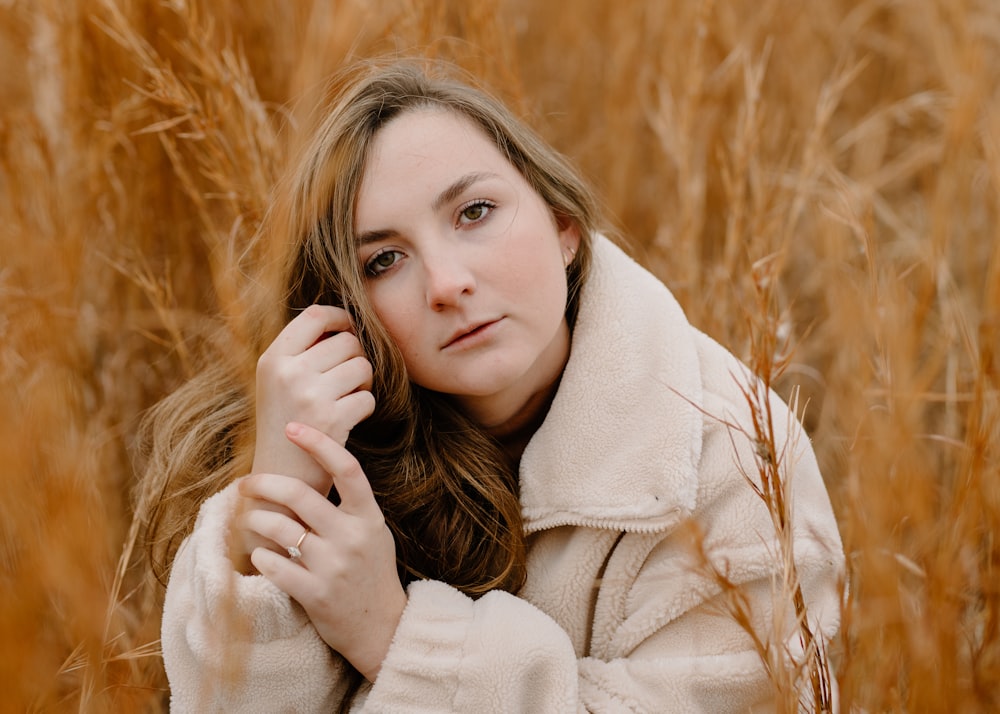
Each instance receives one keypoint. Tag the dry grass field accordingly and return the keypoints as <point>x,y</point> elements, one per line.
<point>817,181</point>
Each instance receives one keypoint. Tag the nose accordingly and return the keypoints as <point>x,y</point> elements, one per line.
<point>448,279</point>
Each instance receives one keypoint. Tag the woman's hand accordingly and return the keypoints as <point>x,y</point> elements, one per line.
<point>315,372</point>
<point>345,577</point>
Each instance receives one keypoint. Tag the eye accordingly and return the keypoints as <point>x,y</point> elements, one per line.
<point>384,259</point>
<point>475,211</point>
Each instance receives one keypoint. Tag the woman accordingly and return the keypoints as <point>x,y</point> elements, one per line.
<point>494,468</point>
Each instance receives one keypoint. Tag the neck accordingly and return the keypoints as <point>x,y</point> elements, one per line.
<point>513,416</point>
<point>515,433</point>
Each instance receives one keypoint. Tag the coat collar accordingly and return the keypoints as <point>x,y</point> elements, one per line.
<point>620,445</point>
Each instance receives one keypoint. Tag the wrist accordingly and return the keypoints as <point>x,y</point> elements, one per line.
<point>368,660</point>
<point>298,465</point>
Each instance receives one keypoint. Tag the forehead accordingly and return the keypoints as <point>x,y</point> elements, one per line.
<point>430,123</point>
<point>430,141</point>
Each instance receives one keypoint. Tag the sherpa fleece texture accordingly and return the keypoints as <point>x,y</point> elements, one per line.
<point>643,453</point>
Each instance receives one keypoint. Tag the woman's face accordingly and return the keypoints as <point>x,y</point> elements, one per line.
<point>464,264</point>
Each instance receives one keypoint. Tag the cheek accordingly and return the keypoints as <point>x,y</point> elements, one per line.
<point>403,327</point>
<point>535,272</point>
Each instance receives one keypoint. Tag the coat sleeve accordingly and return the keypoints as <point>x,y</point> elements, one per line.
<point>669,636</point>
<point>237,643</point>
<point>495,654</point>
<point>674,648</point>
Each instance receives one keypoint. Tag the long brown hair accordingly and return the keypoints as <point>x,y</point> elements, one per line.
<point>443,484</point>
<point>445,487</point>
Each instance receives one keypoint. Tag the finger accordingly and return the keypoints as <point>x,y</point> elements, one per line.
<point>348,478</point>
<point>356,406</point>
<point>356,373</point>
<point>307,505</point>
<point>248,504</point>
<point>332,351</point>
<point>350,376</point>
<point>280,531</point>
<point>309,326</point>
<point>287,575</point>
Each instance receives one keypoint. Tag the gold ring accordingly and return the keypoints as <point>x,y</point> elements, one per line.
<point>293,550</point>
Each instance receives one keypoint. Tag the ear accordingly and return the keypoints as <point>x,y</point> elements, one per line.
<point>569,234</point>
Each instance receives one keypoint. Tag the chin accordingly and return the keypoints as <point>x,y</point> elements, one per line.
<point>493,383</point>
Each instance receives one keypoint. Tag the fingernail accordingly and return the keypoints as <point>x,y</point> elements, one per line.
<point>293,429</point>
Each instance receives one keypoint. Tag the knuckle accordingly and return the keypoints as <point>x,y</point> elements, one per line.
<point>354,543</point>
<point>353,343</point>
<point>298,490</point>
<point>284,371</point>
<point>367,368</point>
<point>293,491</point>
<point>362,406</point>
<point>264,362</point>
<point>352,470</point>
<point>300,402</point>
<point>361,367</point>
<point>277,370</point>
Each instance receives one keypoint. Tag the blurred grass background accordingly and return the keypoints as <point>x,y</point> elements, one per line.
<point>825,172</point>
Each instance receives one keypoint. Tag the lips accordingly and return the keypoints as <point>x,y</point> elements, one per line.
<point>467,333</point>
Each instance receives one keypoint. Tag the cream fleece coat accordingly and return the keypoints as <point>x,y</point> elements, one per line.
<point>641,450</point>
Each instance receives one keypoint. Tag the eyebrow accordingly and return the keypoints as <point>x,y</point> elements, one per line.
<point>455,190</point>
<point>452,192</point>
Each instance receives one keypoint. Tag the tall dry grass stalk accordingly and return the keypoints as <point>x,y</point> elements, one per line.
<point>818,182</point>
